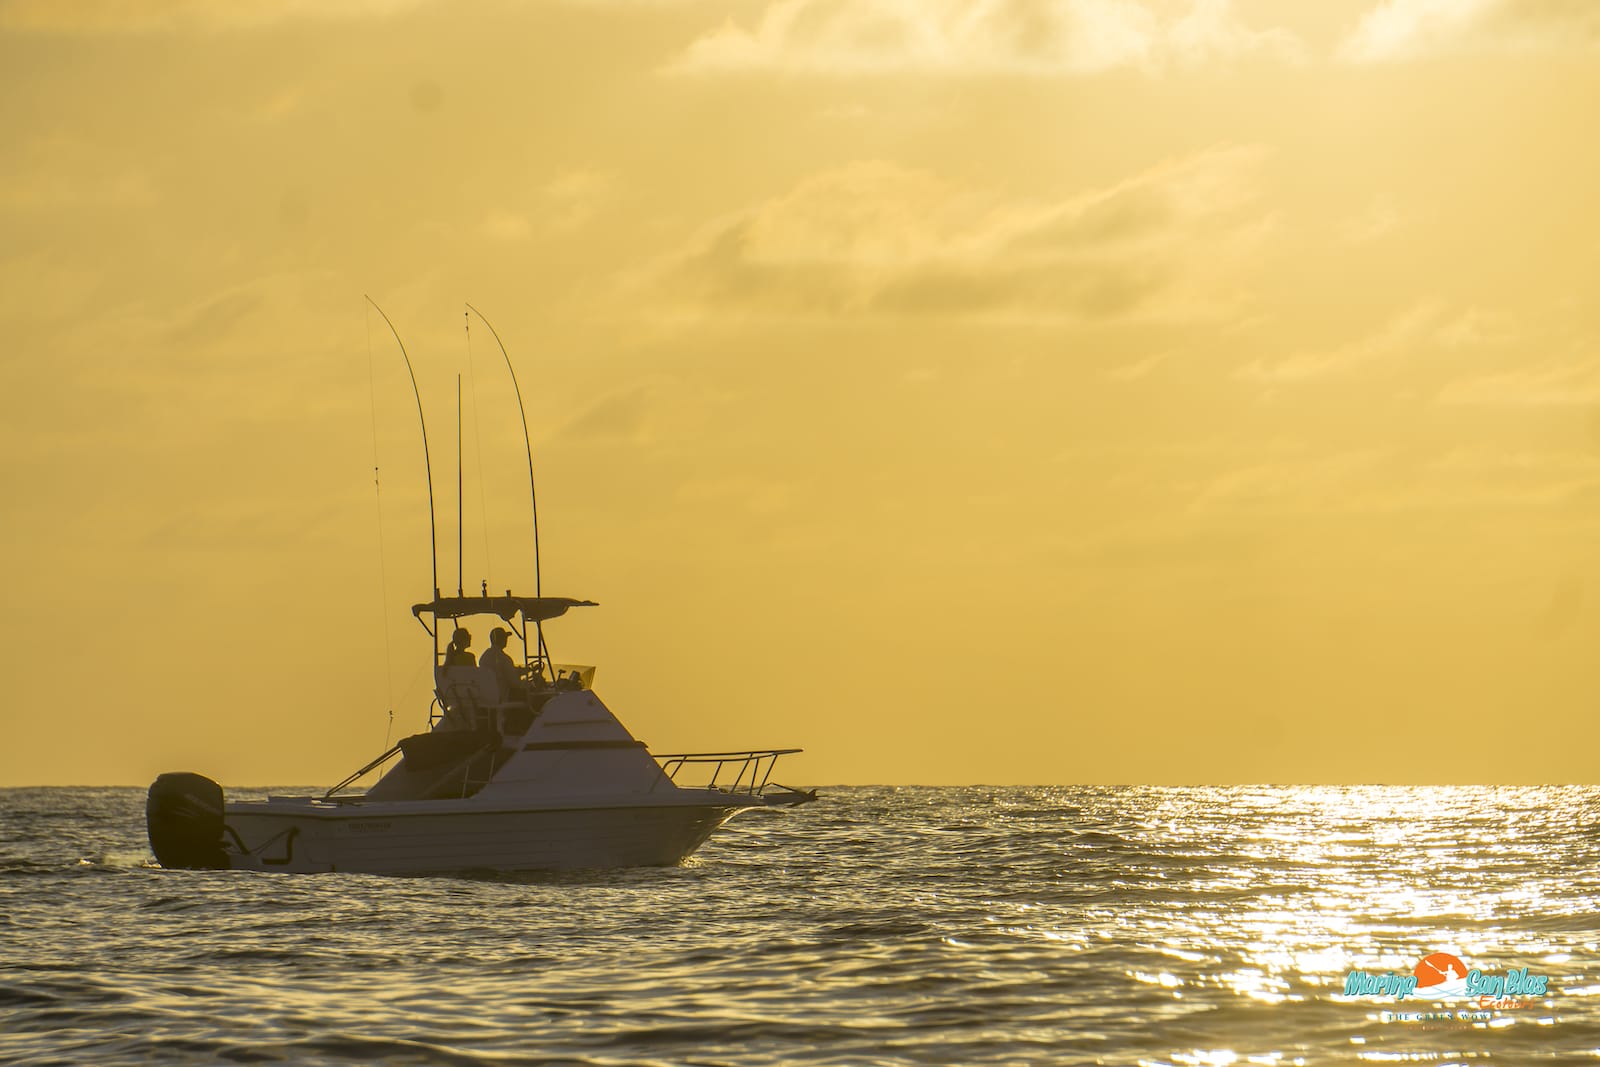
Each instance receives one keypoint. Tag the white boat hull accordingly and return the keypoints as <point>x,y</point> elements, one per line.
<point>307,837</point>
<point>570,788</point>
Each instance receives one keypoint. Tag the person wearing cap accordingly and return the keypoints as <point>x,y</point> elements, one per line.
<point>459,654</point>
<point>505,671</point>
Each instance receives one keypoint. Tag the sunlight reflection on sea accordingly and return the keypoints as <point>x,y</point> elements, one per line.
<point>946,926</point>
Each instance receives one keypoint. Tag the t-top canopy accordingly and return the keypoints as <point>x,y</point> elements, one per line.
<point>532,608</point>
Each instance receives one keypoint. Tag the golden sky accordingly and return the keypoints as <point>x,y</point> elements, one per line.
<point>990,391</point>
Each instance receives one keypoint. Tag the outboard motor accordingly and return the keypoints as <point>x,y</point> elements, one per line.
<point>183,814</point>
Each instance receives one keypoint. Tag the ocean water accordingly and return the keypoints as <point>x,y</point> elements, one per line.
<point>1196,926</point>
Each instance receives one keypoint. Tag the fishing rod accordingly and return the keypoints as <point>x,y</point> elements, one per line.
<point>433,533</point>
<point>533,492</point>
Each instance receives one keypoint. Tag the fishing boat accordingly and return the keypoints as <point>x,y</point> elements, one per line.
<point>523,767</point>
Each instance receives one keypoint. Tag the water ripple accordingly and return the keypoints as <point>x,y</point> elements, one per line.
<point>1200,926</point>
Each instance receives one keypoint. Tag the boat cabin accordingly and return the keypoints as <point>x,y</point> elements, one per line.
<point>504,697</point>
<point>538,732</point>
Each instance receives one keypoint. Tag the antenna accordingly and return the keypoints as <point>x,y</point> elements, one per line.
<point>533,493</point>
<point>383,567</point>
<point>461,520</point>
<point>433,529</point>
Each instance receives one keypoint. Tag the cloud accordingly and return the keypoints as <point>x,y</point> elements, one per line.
<point>876,238</point>
<point>1398,482</point>
<point>122,16</point>
<point>1555,384</point>
<point>655,411</point>
<point>1497,475</point>
<point>1150,550</point>
<point>62,173</point>
<point>1379,219</point>
<point>567,202</point>
<point>1424,327</point>
<point>570,200</point>
<point>1299,482</point>
<point>1140,368</point>
<point>1027,37</point>
<point>1403,29</point>
<point>505,226</point>
<point>761,496</point>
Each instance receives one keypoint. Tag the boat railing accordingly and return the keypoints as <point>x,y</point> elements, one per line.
<point>752,770</point>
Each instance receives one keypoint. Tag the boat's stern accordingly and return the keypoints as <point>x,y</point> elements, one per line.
<point>183,816</point>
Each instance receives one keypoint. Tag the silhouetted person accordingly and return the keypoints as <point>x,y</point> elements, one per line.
<point>459,654</point>
<point>496,660</point>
